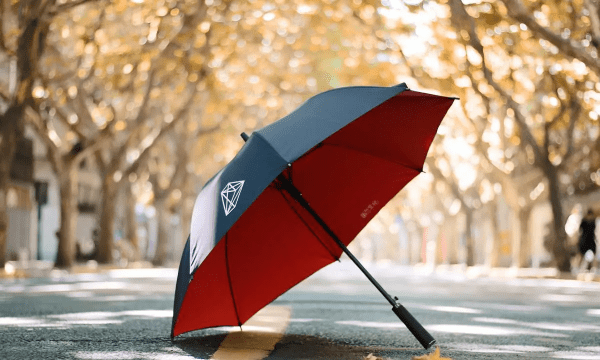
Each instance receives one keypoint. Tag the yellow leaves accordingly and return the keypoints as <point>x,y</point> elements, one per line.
<point>192,126</point>
<point>180,88</point>
<point>79,47</point>
<point>196,59</point>
<point>127,69</point>
<point>373,357</point>
<point>171,65</point>
<point>119,6</point>
<point>120,125</point>
<point>204,27</point>
<point>65,32</point>
<point>433,356</point>
<point>162,11</point>
<point>38,92</point>
<point>72,91</point>
<point>144,66</point>
<point>306,9</point>
<point>367,12</point>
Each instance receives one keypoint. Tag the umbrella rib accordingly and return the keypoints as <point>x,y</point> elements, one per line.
<point>336,258</point>
<point>375,156</point>
<point>237,316</point>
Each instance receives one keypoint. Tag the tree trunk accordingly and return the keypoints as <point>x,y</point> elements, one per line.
<point>4,182</point>
<point>10,132</point>
<point>131,223</point>
<point>558,245</point>
<point>107,221</point>
<point>65,257</point>
<point>162,242</point>
<point>469,237</point>
<point>3,222</point>
<point>522,248</point>
<point>494,260</point>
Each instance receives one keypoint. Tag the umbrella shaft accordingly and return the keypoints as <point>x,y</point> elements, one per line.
<point>411,323</point>
<point>295,193</point>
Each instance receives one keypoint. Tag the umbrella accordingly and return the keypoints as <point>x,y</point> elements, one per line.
<point>299,191</point>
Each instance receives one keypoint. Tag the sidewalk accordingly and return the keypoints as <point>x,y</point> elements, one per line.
<point>40,268</point>
<point>479,271</point>
<point>346,269</point>
<point>34,269</point>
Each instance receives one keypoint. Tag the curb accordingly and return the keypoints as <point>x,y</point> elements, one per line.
<point>38,269</point>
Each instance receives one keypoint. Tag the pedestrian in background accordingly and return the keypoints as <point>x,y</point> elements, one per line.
<point>587,240</point>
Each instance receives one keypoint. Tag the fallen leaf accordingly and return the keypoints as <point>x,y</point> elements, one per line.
<point>373,357</point>
<point>433,356</point>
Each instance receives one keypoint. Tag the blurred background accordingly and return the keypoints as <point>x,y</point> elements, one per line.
<point>113,115</point>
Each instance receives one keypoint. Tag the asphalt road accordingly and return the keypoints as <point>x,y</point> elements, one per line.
<point>335,314</point>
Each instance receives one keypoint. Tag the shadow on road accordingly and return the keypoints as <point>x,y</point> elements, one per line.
<point>289,347</point>
<point>198,346</point>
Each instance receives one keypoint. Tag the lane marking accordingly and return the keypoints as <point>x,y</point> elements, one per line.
<point>258,337</point>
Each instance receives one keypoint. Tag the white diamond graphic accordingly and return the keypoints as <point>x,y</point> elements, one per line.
<point>230,195</point>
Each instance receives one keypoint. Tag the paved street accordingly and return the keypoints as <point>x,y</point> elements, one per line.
<point>335,314</point>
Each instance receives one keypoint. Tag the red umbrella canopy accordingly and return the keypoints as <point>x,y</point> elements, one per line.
<point>346,173</point>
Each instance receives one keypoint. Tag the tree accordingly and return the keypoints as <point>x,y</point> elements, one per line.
<point>23,42</point>
<point>110,94</point>
<point>549,149</point>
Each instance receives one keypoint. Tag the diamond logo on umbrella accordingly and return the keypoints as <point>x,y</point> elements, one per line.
<point>230,195</point>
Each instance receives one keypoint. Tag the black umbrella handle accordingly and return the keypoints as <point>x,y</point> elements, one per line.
<point>414,326</point>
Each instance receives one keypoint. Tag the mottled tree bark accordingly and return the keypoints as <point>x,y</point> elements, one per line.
<point>522,249</point>
<point>494,257</point>
<point>558,247</point>
<point>131,222</point>
<point>162,243</point>
<point>3,218</point>
<point>8,141</point>
<point>65,256</point>
<point>107,221</point>
<point>470,251</point>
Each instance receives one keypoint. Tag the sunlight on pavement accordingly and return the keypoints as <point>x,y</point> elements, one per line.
<point>108,314</point>
<point>593,312</point>
<point>127,355</point>
<point>508,307</point>
<point>541,325</point>
<point>506,349</point>
<point>118,298</point>
<point>14,321</point>
<point>563,298</point>
<point>495,320</point>
<point>488,330</point>
<point>92,296</point>
<point>80,294</point>
<point>372,324</point>
<point>562,327</point>
<point>453,309</point>
<point>334,288</point>
<point>259,336</point>
<point>158,273</point>
<point>60,288</point>
<point>580,353</point>
<point>65,321</point>
<point>304,320</point>
<point>148,313</point>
